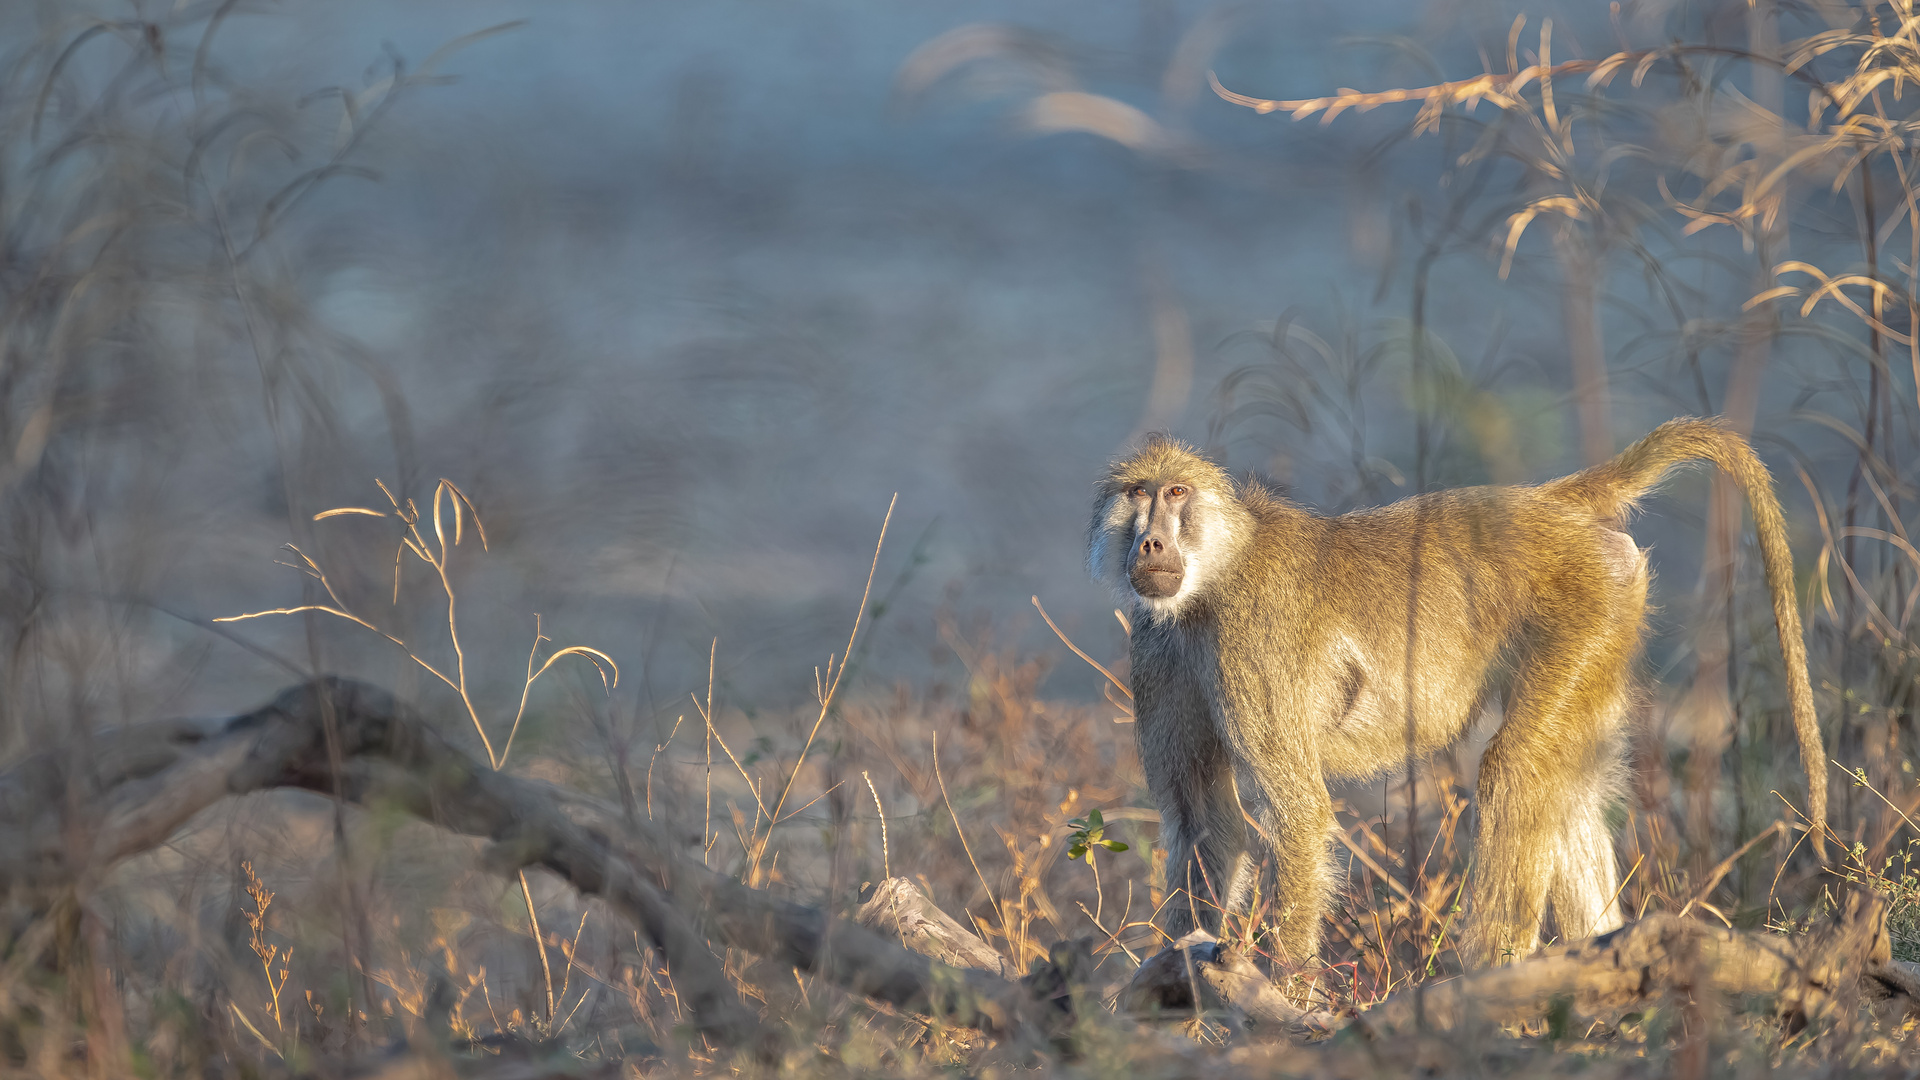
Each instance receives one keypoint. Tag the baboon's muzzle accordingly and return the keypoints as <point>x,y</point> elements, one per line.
<point>1155,567</point>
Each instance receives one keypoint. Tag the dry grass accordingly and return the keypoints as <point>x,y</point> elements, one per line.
<point>973,788</point>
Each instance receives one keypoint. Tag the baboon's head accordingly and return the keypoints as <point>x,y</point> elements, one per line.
<point>1163,520</point>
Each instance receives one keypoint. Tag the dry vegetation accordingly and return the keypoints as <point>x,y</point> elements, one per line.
<point>333,931</point>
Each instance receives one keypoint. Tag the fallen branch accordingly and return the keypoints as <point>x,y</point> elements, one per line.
<point>63,819</point>
<point>897,909</point>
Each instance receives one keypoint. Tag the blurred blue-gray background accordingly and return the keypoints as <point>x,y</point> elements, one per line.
<point>682,295</point>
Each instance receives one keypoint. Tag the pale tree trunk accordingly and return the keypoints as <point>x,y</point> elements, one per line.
<point>1586,349</point>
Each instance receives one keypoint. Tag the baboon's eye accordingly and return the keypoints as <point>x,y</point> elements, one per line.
<point>1178,491</point>
<point>1137,491</point>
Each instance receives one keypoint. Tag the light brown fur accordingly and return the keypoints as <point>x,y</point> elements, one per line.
<point>1274,649</point>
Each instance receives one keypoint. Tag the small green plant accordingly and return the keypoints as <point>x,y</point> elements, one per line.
<point>1087,833</point>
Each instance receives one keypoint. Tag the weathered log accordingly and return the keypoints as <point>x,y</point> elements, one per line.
<point>1891,980</point>
<point>1884,979</point>
<point>59,825</point>
<point>1644,961</point>
<point>1200,974</point>
<point>1632,967</point>
<point>898,909</point>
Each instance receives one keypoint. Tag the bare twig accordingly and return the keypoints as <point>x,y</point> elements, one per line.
<point>1118,685</point>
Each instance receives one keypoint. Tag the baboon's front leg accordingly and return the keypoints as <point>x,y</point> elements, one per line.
<point>1201,828</point>
<point>1281,784</point>
<point>1295,827</point>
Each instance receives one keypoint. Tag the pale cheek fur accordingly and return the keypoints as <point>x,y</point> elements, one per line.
<point>1106,556</point>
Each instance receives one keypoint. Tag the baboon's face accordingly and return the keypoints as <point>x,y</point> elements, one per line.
<point>1166,522</point>
<point>1157,564</point>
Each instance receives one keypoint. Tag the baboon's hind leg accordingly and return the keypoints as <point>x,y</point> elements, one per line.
<point>1586,875</point>
<point>1544,784</point>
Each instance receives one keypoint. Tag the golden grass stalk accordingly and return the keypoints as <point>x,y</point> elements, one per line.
<point>826,689</point>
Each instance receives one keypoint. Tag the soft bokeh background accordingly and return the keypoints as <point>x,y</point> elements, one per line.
<point>682,295</point>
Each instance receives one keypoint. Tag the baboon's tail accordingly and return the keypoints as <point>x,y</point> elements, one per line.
<point>1612,489</point>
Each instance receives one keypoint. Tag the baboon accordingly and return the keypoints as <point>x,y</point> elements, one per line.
<point>1274,649</point>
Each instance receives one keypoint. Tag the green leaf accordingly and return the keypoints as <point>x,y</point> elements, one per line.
<point>1094,819</point>
<point>1115,845</point>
